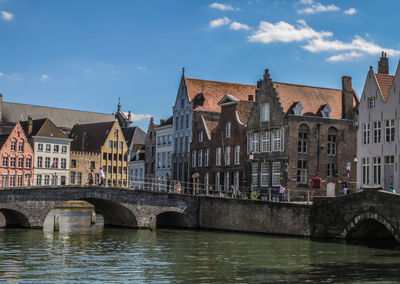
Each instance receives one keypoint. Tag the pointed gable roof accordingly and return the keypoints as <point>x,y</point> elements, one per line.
<point>95,135</point>
<point>43,128</point>
<point>214,91</point>
<point>385,83</point>
<point>134,135</point>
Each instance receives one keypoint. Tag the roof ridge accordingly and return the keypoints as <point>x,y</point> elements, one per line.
<point>223,82</point>
<point>307,86</point>
<point>383,74</point>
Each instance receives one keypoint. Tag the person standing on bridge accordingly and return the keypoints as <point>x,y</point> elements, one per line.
<point>178,187</point>
<point>101,176</point>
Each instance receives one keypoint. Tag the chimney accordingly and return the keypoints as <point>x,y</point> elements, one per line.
<point>383,64</point>
<point>251,98</point>
<point>30,125</point>
<point>347,98</point>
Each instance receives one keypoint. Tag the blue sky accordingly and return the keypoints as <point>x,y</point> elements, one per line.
<point>86,54</point>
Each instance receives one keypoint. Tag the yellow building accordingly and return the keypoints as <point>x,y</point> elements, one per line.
<point>106,139</point>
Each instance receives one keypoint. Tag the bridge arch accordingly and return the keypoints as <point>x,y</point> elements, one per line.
<point>14,217</point>
<point>369,225</point>
<point>175,217</point>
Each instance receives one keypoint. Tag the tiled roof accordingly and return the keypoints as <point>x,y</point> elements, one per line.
<point>169,121</point>
<point>211,125</point>
<point>244,109</point>
<point>214,91</point>
<point>134,135</point>
<point>95,135</point>
<point>44,128</point>
<point>3,139</point>
<point>385,82</point>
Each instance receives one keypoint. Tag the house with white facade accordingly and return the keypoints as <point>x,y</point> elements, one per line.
<point>378,139</point>
<point>137,170</point>
<point>163,166</point>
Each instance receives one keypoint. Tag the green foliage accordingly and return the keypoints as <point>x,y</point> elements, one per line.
<point>254,195</point>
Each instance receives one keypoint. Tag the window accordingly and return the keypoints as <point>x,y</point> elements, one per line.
<point>115,157</point>
<point>47,162</point>
<point>194,153</point>
<point>276,173</point>
<point>48,147</point>
<point>206,158</point>
<point>371,102</point>
<point>331,170</point>
<point>200,158</point>
<point>119,157</point>
<point>365,171</point>
<point>121,145</point>
<point>376,132</point>
<point>110,156</point>
<point>206,182</point>
<point>264,112</point>
<point>187,121</point>
<point>201,136</point>
<point>389,130</point>
<point>39,162</point>
<point>73,163</point>
<point>227,156</point>
<point>265,174</point>
<point>79,178</point>
<point>302,142</point>
<point>55,163</point>
<point>302,172</point>
<point>120,170</point>
<point>110,144</point>
<point>114,169</point>
<point>40,147</point>
<point>46,180</point>
<point>266,141</point>
<point>182,101</point>
<point>237,155</point>
<point>236,180</point>
<point>63,163</point>
<point>20,162</point>
<point>109,169</point>
<point>56,148</point>
<point>12,162</point>
<point>389,159</point>
<point>39,180</point>
<point>64,149</point>
<point>176,123</point>
<point>226,181</point>
<point>5,161</point>
<point>228,130</point>
<point>116,144</point>
<point>377,170</point>
<point>218,156</point>
<point>21,147</point>
<point>186,144</point>
<point>4,180</point>
<point>55,180</point>
<point>366,133</point>
<point>28,163</point>
<point>276,140</point>
<point>169,159</point>
<point>217,182</point>
<point>19,180</point>
<point>13,146</point>
<point>254,146</point>
<point>12,180</point>
<point>254,174</point>
<point>104,156</point>
<point>182,122</point>
<point>332,134</point>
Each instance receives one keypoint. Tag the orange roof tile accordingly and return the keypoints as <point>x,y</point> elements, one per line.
<point>385,82</point>
<point>214,91</point>
<point>244,109</point>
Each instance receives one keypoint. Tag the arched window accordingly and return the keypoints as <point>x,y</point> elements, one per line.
<point>303,138</point>
<point>332,144</point>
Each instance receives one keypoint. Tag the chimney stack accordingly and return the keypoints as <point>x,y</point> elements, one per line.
<point>30,125</point>
<point>383,64</point>
<point>347,98</point>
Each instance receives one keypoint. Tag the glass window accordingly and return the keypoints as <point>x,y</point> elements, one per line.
<point>56,148</point>
<point>5,161</point>
<point>73,163</point>
<point>206,158</point>
<point>254,174</point>
<point>377,170</point>
<point>266,141</point>
<point>12,180</point>
<point>47,162</point>
<point>63,163</point>
<point>12,162</point>
<point>21,147</point>
<point>48,147</point>
<point>40,147</point>
<point>389,130</point>
<point>201,136</point>
<point>237,155</point>
<point>365,171</point>
<point>200,158</point>
<point>254,142</point>
<point>371,102</point>
<point>366,133</point>
<point>276,173</point>
<point>265,174</point>
<point>39,162</point>
<point>28,163</point>
<point>13,146</point>
<point>303,138</point>
<point>264,112</point>
<point>377,132</point>
<point>331,170</point>
<point>20,162</point>
<point>332,134</point>
<point>276,140</point>
<point>55,163</point>
<point>227,156</point>
<point>302,172</point>
<point>39,180</point>
<point>110,144</point>
<point>64,149</point>
<point>228,130</point>
<point>217,182</point>
<point>218,156</point>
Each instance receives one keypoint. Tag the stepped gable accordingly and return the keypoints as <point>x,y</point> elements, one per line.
<point>214,91</point>
<point>312,98</point>
<point>95,136</point>
<point>385,83</point>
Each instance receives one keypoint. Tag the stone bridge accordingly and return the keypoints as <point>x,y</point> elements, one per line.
<point>370,214</point>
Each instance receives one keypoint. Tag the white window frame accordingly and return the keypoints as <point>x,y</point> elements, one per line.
<point>366,133</point>
<point>371,102</point>
<point>237,155</point>
<point>254,174</point>
<point>206,157</point>
<point>226,181</point>
<point>236,180</point>
<point>377,173</point>
<point>218,156</point>
<point>277,140</point>
<point>365,171</point>
<point>228,129</point>
<point>194,155</point>
<point>206,181</point>
<point>389,130</point>
<point>200,158</point>
<point>254,142</point>
<point>265,174</point>
<point>276,173</point>
<point>217,181</point>
<point>302,171</point>
<point>227,156</point>
<point>377,132</point>
<point>264,112</point>
<point>201,136</point>
<point>266,141</point>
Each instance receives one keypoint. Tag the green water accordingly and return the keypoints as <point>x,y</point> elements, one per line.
<point>185,256</point>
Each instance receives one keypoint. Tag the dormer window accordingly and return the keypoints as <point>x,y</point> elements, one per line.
<point>371,102</point>
<point>264,112</point>
<point>298,109</point>
<point>201,136</point>
<point>326,111</point>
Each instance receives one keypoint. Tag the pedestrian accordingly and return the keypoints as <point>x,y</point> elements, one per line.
<point>178,187</point>
<point>210,190</point>
<point>392,190</point>
<point>345,190</point>
<point>282,193</point>
<point>101,176</point>
<point>91,177</point>
<point>233,191</point>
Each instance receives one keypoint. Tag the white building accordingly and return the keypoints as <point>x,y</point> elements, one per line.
<point>51,152</point>
<point>378,141</point>
<point>136,170</point>
<point>163,166</point>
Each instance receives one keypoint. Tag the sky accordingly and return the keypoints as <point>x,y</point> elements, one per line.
<point>86,54</point>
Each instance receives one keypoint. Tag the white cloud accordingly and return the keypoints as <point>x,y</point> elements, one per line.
<point>350,11</point>
<point>223,7</point>
<point>1,74</point>
<point>44,77</point>
<point>88,71</point>
<point>219,22</point>
<point>239,26</point>
<point>137,117</point>
<point>285,32</point>
<point>344,56</point>
<point>6,16</point>
<point>316,8</point>
<point>143,67</point>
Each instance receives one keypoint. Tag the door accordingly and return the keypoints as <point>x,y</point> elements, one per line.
<point>330,189</point>
<point>388,176</point>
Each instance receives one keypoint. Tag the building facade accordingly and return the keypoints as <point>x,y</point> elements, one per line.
<point>81,167</point>
<point>16,168</point>
<point>150,151</point>
<point>163,162</point>
<point>296,133</point>
<point>137,170</point>
<point>378,140</point>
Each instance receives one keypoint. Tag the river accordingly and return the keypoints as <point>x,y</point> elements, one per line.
<point>114,255</point>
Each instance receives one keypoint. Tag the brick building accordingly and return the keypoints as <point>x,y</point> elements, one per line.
<point>150,150</point>
<point>218,148</point>
<point>295,132</point>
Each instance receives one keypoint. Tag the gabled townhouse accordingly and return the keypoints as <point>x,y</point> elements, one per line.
<point>379,129</point>
<point>297,133</point>
<point>16,168</point>
<point>98,145</point>
<point>51,151</point>
<point>219,147</point>
<point>137,170</point>
<point>163,169</point>
<point>150,151</point>
<point>197,95</point>
<point>135,138</point>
